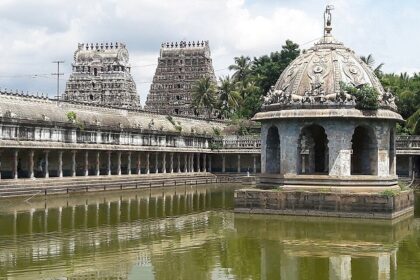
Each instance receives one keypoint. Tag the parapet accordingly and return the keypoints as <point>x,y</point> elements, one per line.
<point>100,46</point>
<point>184,44</point>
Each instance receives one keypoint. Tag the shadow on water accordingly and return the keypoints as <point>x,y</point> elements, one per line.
<point>191,233</point>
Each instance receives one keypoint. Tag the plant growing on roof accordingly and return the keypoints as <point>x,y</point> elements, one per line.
<point>366,96</point>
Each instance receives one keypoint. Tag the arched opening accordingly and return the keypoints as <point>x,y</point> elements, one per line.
<point>313,150</point>
<point>364,159</point>
<point>95,72</point>
<point>272,152</point>
<point>391,152</point>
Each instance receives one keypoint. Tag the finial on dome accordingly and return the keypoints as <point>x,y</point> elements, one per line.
<point>327,20</point>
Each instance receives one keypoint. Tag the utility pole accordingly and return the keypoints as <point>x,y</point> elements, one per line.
<point>58,74</point>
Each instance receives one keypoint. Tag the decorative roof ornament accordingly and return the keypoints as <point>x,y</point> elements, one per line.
<point>327,20</point>
<point>315,78</point>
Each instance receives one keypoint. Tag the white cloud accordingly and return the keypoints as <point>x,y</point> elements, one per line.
<point>34,33</point>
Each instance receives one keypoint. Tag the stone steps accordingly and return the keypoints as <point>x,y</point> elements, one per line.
<point>112,183</point>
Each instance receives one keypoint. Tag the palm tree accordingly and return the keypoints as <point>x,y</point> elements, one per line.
<point>229,96</point>
<point>204,95</point>
<point>370,61</point>
<point>242,68</point>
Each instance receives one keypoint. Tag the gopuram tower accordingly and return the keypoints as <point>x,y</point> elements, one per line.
<point>180,66</point>
<point>101,75</point>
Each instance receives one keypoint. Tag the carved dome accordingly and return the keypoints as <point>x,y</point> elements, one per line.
<point>315,78</point>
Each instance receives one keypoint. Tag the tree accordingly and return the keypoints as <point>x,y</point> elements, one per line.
<point>242,68</point>
<point>370,61</point>
<point>229,96</point>
<point>204,95</point>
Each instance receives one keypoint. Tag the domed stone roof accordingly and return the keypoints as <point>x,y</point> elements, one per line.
<point>315,78</point>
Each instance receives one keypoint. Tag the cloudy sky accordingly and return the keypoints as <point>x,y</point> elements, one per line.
<point>33,33</point>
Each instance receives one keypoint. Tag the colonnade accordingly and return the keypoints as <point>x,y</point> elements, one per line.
<point>32,163</point>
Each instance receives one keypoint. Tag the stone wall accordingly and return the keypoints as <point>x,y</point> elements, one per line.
<point>360,205</point>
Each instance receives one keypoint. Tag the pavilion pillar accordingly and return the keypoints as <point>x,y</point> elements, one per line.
<point>109,163</point>
<point>60,164</point>
<point>138,165</point>
<point>156,162</point>
<point>289,267</point>
<point>98,164</point>
<point>223,163</point>
<point>171,163</point>
<point>119,163</point>
<point>340,268</point>
<point>73,163</point>
<point>204,163</point>
<point>129,163</point>
<point>198,163</point>
<point>254,167</point>
<point>46,171</point>
<point>15,164</point>
<point>164,163</point>
<point>239,163</point>
<point>178,170</point>
<point>147,163</point>
<point>210,163</point>
<point>410,166</point>
<point>0,162</point>
<point>192,163</point>
<point>185,163</point>
<point>86,163</point>
<point>31,164</point>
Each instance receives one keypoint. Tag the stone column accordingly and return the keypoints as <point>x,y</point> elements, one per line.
<point>164,163</point>
<point>198,162</point>
<point>186,163</point>
<point>31,164</point>
<point>73,163</point>
<point>109,163</point>
<point>410,166</point>
<point>156,162</point>
<point>254,168</point>
<point>171,163</point>
<point>119,163</point>
<point>98,164</point>
<point>339,152</point>
<point>239,163</point>
<point>204,163</point>
<point>60,164</point>
<point>192,163</point>
<point>223,163</point>
<point>129,163</point>
<point>210,163</point>
<point>0,162</point>
<point>178,170</point>
<point>86,163</point>
<point>46,171</point>
<point>147,163</point>
<point>340,268</point>
<point>138,163</point>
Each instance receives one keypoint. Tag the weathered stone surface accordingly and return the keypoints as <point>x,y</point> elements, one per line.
<point>101,75</point>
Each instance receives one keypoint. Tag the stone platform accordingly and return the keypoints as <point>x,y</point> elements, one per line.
<point>386,205</point>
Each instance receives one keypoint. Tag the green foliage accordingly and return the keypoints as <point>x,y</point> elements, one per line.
<point>402,130</point>
<point>71,116</point>
<point>216,131</point>
<point>390,193</point>
<point>215,145</point>
<point>413,123</point>
<point>204,95</point>
<point>366,96</point>
<point>253,78</point>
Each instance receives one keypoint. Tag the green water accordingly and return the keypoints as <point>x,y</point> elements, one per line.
<point>192,233</point>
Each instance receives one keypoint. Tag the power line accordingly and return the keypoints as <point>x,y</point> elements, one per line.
<point>58,74</point>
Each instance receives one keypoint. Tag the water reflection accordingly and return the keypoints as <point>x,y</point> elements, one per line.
<point>191,233</point>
